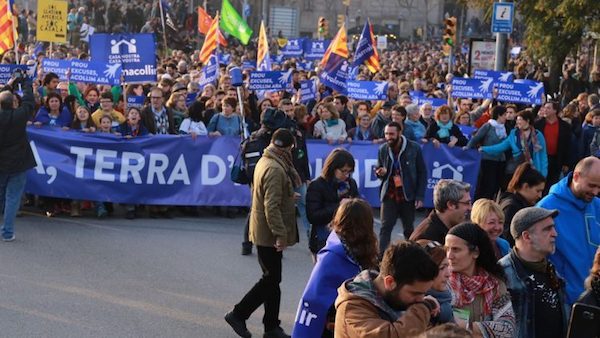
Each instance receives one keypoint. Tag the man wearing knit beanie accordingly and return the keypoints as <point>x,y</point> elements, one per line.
<point>537,292</point>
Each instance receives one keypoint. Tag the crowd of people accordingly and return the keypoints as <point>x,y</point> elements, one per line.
<point>507,262</point>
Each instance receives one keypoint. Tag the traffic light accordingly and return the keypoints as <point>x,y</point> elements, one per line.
<point>450,31</point>
<point>341,19</point>
<point>323,26</point>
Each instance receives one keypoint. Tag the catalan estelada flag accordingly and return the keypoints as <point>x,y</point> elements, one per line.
<point>210,42</point>
<point>366,50</point>
<point>263,58</point>
<point>7,40</point>
<point>334,65</point>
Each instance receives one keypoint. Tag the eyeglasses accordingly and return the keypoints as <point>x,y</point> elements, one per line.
<point>467,202</point>
<point>156,97</point>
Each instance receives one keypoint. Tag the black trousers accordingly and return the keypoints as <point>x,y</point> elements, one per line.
<point>554,170</point>
<point>266,291</point>
<point>491,174</point>
<point>389,212</point>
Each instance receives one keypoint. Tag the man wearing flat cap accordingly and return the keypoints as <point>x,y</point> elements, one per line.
<point>537,292</point>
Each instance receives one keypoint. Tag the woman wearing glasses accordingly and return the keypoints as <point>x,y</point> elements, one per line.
<point>325,193</point>
<point>480,298</point>
<point>440,290</point>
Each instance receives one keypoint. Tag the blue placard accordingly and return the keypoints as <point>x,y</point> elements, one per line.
<point>304,65</point>
<point>137,53</point>
<point>294,48</point>
<point>270,80</point>
<point>6,72</point>
<point>308,90</point>
<point>416,93</point>
<point>472,88</point>
<point>496,75</point>
<point>190,98</point>
<point>315,49</point>
<point>248,65</point>
<point>135,101</point>
<point>209,73</point>
<point>95,72</point>
<point>224,59</point>
<point>56,66</point>
<point>502,17</point>
<point>529,93</point>
<point>367,90</point>
<point>434,102</point>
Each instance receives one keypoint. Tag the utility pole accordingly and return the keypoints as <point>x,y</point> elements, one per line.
<point>500,60</point>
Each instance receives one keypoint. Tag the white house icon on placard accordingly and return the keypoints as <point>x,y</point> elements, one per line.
<point>116,46</point>
<point>439,170</point>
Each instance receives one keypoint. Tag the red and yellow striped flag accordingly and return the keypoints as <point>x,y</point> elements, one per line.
<point>210,42</point>
<point>7,40</point>
<point>373,61</point>
<point>339,46</point>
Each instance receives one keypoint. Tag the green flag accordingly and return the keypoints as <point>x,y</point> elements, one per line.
<point>232,23</point>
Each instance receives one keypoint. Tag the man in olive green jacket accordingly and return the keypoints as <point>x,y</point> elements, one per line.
<point>272,228</point>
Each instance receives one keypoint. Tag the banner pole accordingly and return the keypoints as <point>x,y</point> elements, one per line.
<point>244,132</point>
<point>162,19</point>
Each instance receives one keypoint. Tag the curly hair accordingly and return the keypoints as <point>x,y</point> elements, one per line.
<point>441,110</point>
<point>353,223</point>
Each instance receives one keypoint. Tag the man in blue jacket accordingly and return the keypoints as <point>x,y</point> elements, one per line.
<point>577,224</point>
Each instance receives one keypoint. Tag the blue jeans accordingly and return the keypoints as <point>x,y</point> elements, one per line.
<point>301,204</point>
<point>11,190</point>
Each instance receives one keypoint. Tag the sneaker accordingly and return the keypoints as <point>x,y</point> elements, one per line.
<point>246,249</point>
<point>276,333</point>
<point>238,325</point>
<point>8,239</point>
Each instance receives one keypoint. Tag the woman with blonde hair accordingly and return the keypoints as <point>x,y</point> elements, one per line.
<point>330,127</point>
<point>490,217</point>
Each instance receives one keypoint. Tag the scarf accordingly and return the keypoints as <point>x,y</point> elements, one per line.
<point>499,128</point>
<point>466,288</point>
<point>444,130</point>
<point>417,127</point>
<point>285,157</point>
<point>525,144</point>
<point>332,122</point>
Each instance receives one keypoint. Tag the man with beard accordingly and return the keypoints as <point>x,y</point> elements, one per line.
<point>537,292</point>
<point>578,223</point>
<point>391,303</point>
<point>401,169</point>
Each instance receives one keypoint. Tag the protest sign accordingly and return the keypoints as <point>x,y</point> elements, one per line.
<point>7,71</point>
<point>135,51</point>
<point>52,21</point>
<point>367,90</point>
<point>135,101</point>
<point>315,49</point>
<point>270,80</point>
<point>294,48</point>
<point>56,66</point>
<point>529,93</point>
<point>308,90</point>
<point>496,75</point>
<point>472,88</point>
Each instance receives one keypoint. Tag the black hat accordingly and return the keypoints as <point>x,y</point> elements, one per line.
<point>472,233</point>
<point>282,138</point>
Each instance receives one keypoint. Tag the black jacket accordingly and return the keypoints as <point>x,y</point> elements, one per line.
<point>589,298</point>
<point>431,228</point>
<point>322,200</point>
<point>510,204</point>
<point>564,139</point>
<point>454,131</point>
<point>15,153</point>
<point>150,123</point>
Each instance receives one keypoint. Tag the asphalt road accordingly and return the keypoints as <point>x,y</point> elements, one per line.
<point>67,277</point>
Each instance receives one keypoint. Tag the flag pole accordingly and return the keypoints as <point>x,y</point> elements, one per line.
<point>162,19</point>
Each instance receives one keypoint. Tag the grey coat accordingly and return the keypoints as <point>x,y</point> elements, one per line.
<point>486,136</point>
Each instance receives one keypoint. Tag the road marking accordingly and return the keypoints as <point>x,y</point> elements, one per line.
<point>43,315</point>
<point>73,221</point>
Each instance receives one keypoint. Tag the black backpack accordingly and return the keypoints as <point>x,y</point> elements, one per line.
<point>251,150</point>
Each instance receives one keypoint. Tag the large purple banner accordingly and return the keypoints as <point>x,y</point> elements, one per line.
<point>178,170</point>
